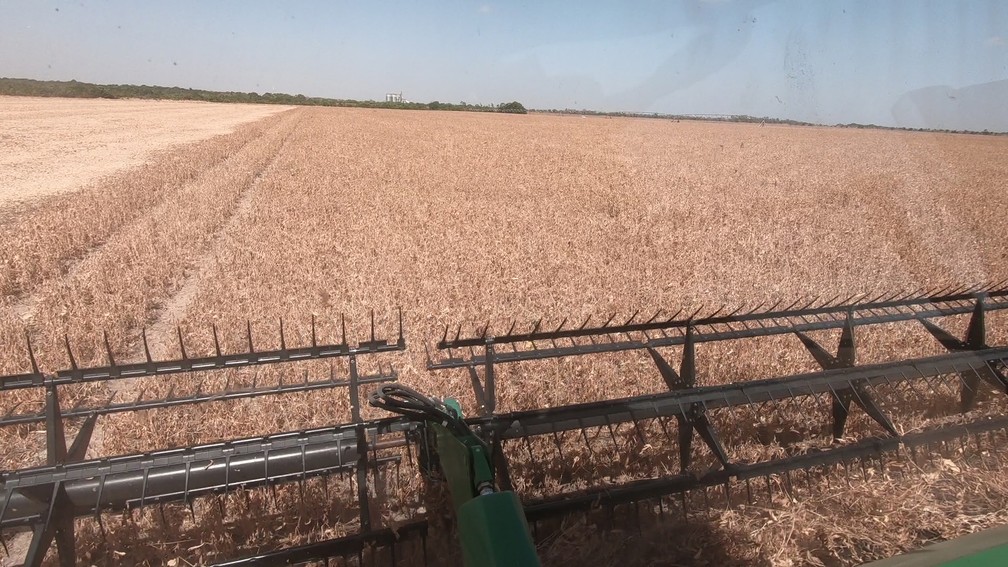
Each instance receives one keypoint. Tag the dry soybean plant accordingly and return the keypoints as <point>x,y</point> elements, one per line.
<point>487,220</point>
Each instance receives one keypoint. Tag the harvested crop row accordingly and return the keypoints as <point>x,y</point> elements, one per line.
<point>120,286</point>
<point>46,236</point>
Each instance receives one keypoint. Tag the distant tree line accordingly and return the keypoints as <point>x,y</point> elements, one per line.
<point>510,107</point>
<point>703,117</point>
<point>77,89</point>
<point>755,119</point>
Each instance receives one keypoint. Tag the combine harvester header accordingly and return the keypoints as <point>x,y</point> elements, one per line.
<point>484,457</point>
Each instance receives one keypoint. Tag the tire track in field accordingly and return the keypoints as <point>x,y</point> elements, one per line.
<point>49,235</point>
<point>25,307</point>
<point>69,301</point>
<point>161,333</point>
<point>119,284</point>
<point>160,330</point>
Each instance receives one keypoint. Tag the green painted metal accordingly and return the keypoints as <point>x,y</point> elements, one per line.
<point>995,557</point>
<point>464,463</point>
<point>987,548</point>
<point>494,533</point>
<point>492,528</point>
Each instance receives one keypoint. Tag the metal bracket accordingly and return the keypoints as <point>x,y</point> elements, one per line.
<point>695,418</point>
<point>686,377</point>
<point>58,520</point>
<point>362,447</point>
<point>846,357</point>
<point>485,389</point>
<point>976,339</point>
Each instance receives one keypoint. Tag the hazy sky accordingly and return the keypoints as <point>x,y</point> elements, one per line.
<point>825,62</point>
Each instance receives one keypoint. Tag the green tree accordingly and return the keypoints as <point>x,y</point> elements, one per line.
<point>513,107</point>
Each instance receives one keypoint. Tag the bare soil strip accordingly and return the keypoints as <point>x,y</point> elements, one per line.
<point>162,338</point>
<point>25,307</point>
<point>143,265</point>
<point>161,332</point>
<point>49,234</point>
<point>48,146</point>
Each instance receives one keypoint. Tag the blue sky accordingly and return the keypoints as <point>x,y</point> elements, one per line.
<point>825,62</point>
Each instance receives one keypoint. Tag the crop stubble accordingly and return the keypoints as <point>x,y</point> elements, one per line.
<point>474,218</point>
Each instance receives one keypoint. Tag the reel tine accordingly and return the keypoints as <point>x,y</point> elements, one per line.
<point>314,340</point>
<point>108,349</point>
<point>716,313</point>
<point>31,354</point>
<point>846,300</point>
<point>248,335</point>
<point>885,297</point>
<point>283,341</point>
<point>694,314</point>
<point>632,317</point>
<point>792,306</point>
<point>181,345</point>
<point>560,327</point>
<point>941,292</point>
<point>372,327</point>
<point>734,313</point>
<point>70,352</point>
<point>653,317</point>
<point>146,347</point>
<point>895,297</point>
<point>959,290</point>
<point>609,320</point>
<point>755,309</point>
<point>875,299</point>
<point>342,319</point>
<point>402,338</point>
<point>907,296</point>
<point>511,328</point>
<point>971,288</point>
<point>216,339</point>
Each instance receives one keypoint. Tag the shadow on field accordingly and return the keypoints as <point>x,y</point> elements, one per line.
<point>700,542</point>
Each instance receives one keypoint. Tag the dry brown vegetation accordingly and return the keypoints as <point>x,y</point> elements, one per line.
<point>473,218</point>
